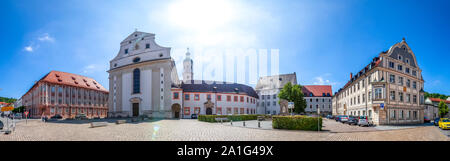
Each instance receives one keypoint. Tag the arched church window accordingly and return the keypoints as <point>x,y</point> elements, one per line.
<point>136,80</point>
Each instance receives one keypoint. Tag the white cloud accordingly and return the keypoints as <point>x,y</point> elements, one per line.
<point>46,37</point>
<point>322,80</point>
<point>28,48</point>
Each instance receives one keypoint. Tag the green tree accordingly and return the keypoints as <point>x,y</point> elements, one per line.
<point>293,93</point>
<point>443,109</point>
<point>20,109</point>
<point>435,95</point>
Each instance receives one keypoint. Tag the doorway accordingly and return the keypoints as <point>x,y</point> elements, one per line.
<point>208,111</point>
<point>135,109</point>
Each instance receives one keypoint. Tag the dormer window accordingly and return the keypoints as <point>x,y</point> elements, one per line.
<point>129,42</point>
<point>160,55</point>
<point>399,57</point>
<point>126,51</point>
<point>135,35</point>
<point>407,61</point>
<point>147,46</point>
<point>135,60</point>
<point>115,65</point>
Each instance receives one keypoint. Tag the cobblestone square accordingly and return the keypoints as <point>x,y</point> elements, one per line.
<point>193,130</point>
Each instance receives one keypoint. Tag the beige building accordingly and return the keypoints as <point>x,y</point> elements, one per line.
<point>389,90</point>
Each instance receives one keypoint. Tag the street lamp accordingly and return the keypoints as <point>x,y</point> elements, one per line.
<point>215,99</point>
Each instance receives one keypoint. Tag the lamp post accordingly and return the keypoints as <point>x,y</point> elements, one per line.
<point>215,99</point>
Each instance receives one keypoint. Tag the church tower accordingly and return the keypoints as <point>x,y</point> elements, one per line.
<point>188,67</point>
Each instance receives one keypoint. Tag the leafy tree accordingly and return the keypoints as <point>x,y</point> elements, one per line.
<point>435,95</point>
<point>7,100</point>
<point>293,93</point>
<point>443,109</point>
<point>20,109</point>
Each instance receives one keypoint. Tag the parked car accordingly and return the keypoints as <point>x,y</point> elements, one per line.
<point>81,116</point>
<point>426,120</point>
<point>436,121</point>
<point>343,118</point>
<point>329,117</point>
<point>194,116</point>
<point>444,123</point>
<point>1,125</point>
<point>352,120</point>
<point>57,116</point>
<point>337,118</point>
<point>363,121</point>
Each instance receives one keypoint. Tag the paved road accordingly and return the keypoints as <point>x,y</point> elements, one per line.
<point>190,130</point>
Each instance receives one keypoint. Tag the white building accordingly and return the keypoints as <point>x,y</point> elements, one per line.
<point>268,88</point>
<point>141,77</point>
<point>318,97</point>
<point>211,97</point>
<point>432,107</point>
<point>144,81</point>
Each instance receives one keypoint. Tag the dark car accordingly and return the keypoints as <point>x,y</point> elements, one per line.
<point>330,117</point>
<point>436,121</point>
<point>426,120</point>
<point>194,116</point>
<point>1,125</point>
<point>57,116</point>
<point>352,120</point>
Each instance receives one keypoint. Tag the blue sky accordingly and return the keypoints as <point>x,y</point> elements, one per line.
<point>322,41</point>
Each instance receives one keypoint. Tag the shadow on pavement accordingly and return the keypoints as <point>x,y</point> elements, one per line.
<point>128,121</point>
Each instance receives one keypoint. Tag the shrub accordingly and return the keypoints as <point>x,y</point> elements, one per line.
<point>212,118</point>
<point>297,123</point>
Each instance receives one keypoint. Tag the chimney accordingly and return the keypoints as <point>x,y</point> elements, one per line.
<point>351,75</point>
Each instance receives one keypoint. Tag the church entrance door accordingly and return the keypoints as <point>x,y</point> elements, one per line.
<point>135,109</point>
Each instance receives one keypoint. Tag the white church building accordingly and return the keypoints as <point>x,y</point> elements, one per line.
<point>143,81</point>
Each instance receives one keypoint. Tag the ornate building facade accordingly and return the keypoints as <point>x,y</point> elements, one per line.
<point>390,90</point>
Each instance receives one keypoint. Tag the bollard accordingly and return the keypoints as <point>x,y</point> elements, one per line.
<point>232,122</point>
<point>243,123</point>
<point>221,121</point>
<point>259,124</point>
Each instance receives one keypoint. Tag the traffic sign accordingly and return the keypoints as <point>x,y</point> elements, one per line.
<point>382,105</point>
<point>290,105</point>
<point>7,108</point>
<point>26,113</point>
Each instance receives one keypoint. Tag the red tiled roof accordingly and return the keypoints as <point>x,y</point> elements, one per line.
<point>70,79</point>
<point>439,100</point>
<point>75,80</point>
<point>317,90</point>
<point>3,103</point>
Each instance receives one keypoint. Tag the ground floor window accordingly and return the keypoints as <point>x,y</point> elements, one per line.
<point>187,110</point>
<point>242,111</point>
<point>219,111</point>
<point>392,114</point>
<point>401,115</point>
<point>197,110</point>
<point>415,115</point>
<point>52,110</point>
<point>236,111</point>
<point>229,110</point>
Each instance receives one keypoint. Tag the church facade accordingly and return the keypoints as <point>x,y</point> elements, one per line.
<point>140,78</point>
